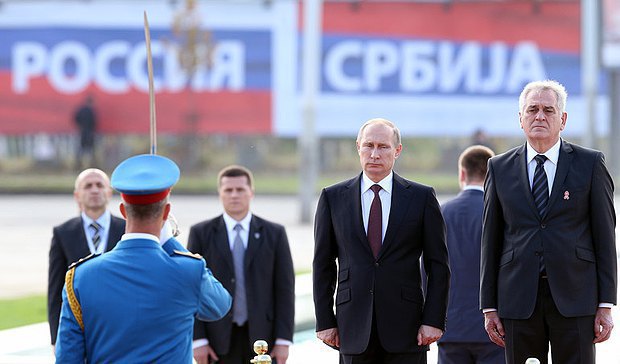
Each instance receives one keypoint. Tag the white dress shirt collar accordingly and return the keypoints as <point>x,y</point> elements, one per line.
<point>385,183</point>
<point>146,236</point>
<point>552,154</point>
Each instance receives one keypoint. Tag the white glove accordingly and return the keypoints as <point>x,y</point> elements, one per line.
<point>166,233</point>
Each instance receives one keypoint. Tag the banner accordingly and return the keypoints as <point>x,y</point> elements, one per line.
<point>433,68</point>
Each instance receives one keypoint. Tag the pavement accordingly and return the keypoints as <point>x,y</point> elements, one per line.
<point>26,223</point>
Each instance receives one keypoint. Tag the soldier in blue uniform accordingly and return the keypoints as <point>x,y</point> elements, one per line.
<point>137,303</point>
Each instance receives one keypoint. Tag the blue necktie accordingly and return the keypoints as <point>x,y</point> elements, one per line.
<point>240,306</point>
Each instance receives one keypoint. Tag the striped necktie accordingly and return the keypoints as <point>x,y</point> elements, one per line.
<point>96,235</point>
<point>540,186</point>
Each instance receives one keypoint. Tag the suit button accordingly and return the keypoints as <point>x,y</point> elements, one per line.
<point>376,264</point>
<point>537,254</point>
<point>542,226</point>
<point>371,292</point>
<point>232,280</point>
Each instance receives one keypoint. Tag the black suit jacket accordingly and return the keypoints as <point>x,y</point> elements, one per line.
<point>269,277</point>
<point>69,244</point>
<point>389,286</point>
<point>575,236</point>
<point>463,216</point>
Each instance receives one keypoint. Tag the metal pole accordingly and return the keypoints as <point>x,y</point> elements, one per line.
<point>589,66</point>
<point>308,141</point>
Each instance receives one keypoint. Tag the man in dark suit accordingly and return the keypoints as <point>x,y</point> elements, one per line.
<point>548,263</point>
<point>370,232</point>
<point>93,232</point>
<point>252,258</point>
<point>465,341</point>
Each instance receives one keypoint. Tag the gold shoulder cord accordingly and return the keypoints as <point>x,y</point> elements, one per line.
<point>73,302</point>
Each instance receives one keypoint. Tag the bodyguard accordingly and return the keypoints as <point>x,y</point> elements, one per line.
<point>137,303</point>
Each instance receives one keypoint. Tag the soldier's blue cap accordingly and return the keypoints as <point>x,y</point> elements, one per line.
<point>144,179</point>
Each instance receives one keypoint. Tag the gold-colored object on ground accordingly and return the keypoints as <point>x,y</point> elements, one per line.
<point>261,348</point>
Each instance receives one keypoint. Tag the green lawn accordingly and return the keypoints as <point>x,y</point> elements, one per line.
<point>22,311</point>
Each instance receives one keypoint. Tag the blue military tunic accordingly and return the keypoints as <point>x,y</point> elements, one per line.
<point>138,304</point>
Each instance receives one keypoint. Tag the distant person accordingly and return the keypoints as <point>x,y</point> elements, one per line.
<point>85,120</point>
<point>137,303</point>
<point>252,258</point>
<point>370,233</point>
<point>548,263</point>
<point>94,231</point>
<point>480,137</point>
<point>465,340</point>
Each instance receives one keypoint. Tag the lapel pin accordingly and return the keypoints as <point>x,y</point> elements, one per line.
<point>256,235</point>
<point>566,195</point>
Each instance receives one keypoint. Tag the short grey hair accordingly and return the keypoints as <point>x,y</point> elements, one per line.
<point>555,86</point>
<point>384,122</point>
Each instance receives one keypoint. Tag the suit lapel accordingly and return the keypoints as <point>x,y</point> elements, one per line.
<point>353,195</point>
<point>401,198</point>
<point>221,243</point>
<point>255,238</point>
<point>564,161</point>
<point>81,249</point>
<point>521,167</point>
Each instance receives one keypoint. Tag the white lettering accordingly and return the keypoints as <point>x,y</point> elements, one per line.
<point>107,53</point>
<point>430,66</point>
<point>335,61</point>
<point>418,72</point>
<point>28,61</point>
<point>70,54</point>
<point>526,66</point>
<point>381,60</point>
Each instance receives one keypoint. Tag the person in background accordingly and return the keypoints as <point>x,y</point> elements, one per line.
<point>94,231</point>
<point>465,340</point>
<point>85,120</point>
<point>252,258</point>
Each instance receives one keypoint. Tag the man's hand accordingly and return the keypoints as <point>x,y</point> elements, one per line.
<point>603,324</point>
<point>329,337</point>
<point>280,353</point>
<point>494,328</point>
<point>205,355</point>
<point>428,335</point>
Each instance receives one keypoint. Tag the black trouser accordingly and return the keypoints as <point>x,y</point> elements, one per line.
<point>570,337</point>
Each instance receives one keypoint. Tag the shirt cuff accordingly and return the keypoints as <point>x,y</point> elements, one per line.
<point>199,343</point>
<point>284,342</point>
<point>605,305</point>
<point>485,310</point>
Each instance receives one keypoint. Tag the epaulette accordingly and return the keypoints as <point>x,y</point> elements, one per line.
<point>82,260</point>
<point>188,254</point>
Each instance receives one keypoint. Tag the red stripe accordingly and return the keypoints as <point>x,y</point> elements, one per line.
<point>145,199</point>
<point>553,25</point>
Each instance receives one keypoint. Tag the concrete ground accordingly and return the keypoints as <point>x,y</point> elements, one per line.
<point>26,223</point>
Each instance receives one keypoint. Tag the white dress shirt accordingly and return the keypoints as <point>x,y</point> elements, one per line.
<point>385,194</point>
<point>104,222</point>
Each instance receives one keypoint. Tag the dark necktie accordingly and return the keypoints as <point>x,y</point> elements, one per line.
<point>374,222</point>
<point>540,190</point>
<point>540,186</point>
<point>240,307</point>
<point>96,234</point>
